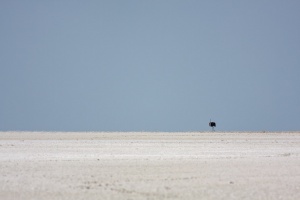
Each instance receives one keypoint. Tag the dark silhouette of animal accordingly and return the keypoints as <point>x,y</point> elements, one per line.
<point>212,125</point>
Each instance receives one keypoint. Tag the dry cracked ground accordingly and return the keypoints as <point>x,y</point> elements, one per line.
<point>145,165</point>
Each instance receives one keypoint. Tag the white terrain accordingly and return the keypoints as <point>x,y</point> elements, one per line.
<point>146,165</point>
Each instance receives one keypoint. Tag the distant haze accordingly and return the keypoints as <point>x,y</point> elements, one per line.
<point>162,65</point>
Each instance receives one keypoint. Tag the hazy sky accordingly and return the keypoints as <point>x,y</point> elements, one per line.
<point>155,65</point>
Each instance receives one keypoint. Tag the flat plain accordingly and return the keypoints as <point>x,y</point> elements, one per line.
<point>149,165</point>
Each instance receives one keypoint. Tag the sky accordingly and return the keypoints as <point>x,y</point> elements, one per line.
<point>161,65</point>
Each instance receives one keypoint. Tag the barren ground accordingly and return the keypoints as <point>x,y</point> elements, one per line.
<point>144,165</point>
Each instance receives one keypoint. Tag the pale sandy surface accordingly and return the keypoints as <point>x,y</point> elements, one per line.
<point>40,165</point>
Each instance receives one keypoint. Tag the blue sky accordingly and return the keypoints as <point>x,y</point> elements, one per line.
<point>161,65</point>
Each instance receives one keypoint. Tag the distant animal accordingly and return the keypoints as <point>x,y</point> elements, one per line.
<point>212,125</point>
